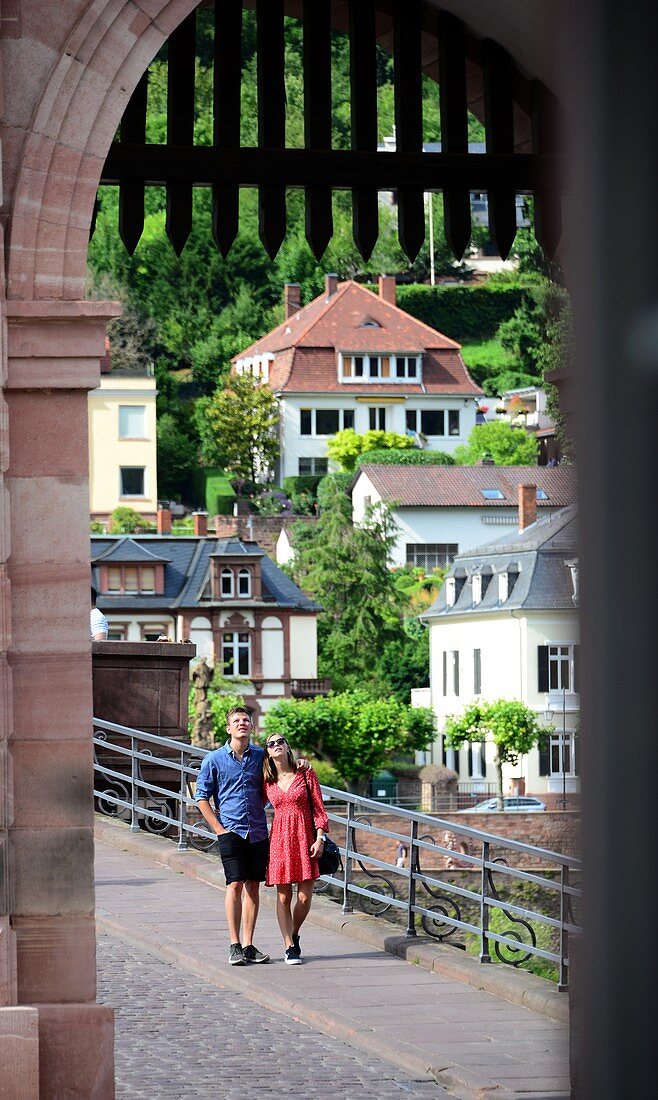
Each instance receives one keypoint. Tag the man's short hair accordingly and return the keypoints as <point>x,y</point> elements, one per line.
<point>94,594</point>
<point>238,710</point>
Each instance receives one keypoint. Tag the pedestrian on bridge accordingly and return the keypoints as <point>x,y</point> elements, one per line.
<point>297,838</point>
<point>232,776</point>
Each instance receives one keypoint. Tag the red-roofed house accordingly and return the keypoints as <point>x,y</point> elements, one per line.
<point>353,359</point>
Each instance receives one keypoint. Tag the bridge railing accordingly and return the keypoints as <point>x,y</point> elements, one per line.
<point>518,901</point>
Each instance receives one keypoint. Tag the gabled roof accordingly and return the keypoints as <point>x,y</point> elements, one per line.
<point>544,555</point>
<point>128,550</point>
<point>354,319</point>
<point>187,569</point>
<point>462,486</point>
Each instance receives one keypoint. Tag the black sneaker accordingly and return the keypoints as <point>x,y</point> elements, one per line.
<point>253,955</point>
<point>236,955</point>
<point>291,957</point>
<point>295,943</point>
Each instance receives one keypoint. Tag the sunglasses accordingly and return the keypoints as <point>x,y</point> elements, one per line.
<point>275,744</point>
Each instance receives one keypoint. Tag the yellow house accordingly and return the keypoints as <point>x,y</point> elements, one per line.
<point>122,444</point>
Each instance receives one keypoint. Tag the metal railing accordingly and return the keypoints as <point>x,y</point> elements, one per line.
<point>132,771</point>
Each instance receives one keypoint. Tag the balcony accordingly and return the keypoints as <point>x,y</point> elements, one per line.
<point>307,689</point>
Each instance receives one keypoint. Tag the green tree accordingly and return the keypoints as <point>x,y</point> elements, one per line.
<point>511,725</point>
<point>127,521</point>
<point>347,569</point>
<point>506,444</point>
<point>177,455</point>
<point>346,446</point>
<point>238,427</point>
<point>352,731</point>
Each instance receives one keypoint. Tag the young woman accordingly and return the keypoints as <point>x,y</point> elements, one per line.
<point>294,844</point>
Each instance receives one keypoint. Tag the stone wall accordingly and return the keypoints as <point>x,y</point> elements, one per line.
<point>264,530</point>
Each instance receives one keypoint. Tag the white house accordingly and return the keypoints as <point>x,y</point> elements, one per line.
<point>353,359</point>
<point>505,626</point>
<point>441,511</point>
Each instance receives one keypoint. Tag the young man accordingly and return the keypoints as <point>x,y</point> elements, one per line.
<point>98,624</point>
<point>232,776</point>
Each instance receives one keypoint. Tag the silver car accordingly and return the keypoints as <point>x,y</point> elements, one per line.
<point>520,804</point>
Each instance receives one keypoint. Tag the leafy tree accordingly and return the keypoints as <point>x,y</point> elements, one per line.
<point>511,725</point>
<point>506,444</point>
<point>238,427</point>
<point>352,731</point>
<point>177,455</point>
<point>347,569</point>
<point>347,446</point>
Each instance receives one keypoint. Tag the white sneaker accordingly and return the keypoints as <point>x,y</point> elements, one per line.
<point>291,957</point>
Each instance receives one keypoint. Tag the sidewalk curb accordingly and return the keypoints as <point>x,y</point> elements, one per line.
<point>462,1083</point>
<point>517,987</point>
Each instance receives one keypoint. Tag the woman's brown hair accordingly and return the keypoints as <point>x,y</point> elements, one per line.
<point>270,772</point>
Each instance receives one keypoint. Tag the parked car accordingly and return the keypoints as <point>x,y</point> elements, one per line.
<point>522,804</point>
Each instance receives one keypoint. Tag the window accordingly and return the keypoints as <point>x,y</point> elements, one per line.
<point>118,632</point>
<point>312,465</point>
<point>492,494</point>
<point>541,495</point>
<point>244,582</point>
<point>412,420</point>
<point>431,555</point>
<point>151,631</point>
<point>450,591</point>
<point>377,368</point>
<point>132,481</point>
<point>445,672</point>
<point>132,421</point>
<point>455,671</point>
<point>130,580</point>
<point>477,671</point>
<point>235,654</point>
<point>432,422</point>
<point>324,421</point>
<point>477,587</point>
<point>557,668</point>
<point>453,421</point>
<point>377,418</point>
<point>227,582</point>
<point>562,754</point>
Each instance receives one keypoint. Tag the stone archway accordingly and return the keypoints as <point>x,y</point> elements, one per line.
<point>72,72</point>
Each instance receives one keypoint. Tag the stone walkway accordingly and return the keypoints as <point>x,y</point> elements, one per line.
<point>353,1020</point>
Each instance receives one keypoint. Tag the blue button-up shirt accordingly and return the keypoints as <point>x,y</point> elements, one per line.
<point>236,786</point>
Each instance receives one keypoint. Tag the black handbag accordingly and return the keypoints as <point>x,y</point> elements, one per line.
<point>330,860</point>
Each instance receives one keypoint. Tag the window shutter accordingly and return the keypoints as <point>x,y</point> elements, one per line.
<point>544,747</point>
<point>576,754</point>
<point>542,671</point>
<point>576,668</point>
<point>470,760</point>
<point>483,758</point>
<point>445,672</point>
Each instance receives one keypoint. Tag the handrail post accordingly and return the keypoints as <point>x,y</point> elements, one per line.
<point>134,775</point>
<point>347,866</point>
<point>411,916</point>
<point>182,808</point>
<point>485,957</point>
<point>563,982</point>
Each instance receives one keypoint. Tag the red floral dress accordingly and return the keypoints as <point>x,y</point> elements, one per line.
<point>292,829</point>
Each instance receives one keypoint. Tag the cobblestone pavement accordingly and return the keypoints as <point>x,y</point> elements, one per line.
<point>178,1038</point>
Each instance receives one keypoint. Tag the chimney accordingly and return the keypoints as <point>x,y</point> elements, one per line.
<point>330,285</point>
<point>527,506</point>
<point>292,298</point>
<point>164,520</point>
<point>200,523</point>
<point>387,289</point>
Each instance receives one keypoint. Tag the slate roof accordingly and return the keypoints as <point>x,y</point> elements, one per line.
<point>354,319</point>
<point>187,566</point>
<point>541,554</point>
<point>461,486</point>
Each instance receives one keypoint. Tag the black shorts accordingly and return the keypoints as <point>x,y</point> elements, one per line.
<point>242,860</point>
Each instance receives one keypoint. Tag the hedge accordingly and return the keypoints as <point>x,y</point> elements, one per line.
<point>215,490</point>
<point>413,457</point>
<point>464,313</point>
<point>301,483</point>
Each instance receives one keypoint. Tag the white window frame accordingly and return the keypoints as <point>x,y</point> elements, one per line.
<point>314,432</point>
<point>393,378</point>
<point>227,573</point>
<point>242,574</point>
<point>240,640</point>
<point>128,409</point>
<point>564,651</point>
<point>562,748</point>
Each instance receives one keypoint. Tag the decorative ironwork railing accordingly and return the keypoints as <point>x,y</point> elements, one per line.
<point>149,781</point>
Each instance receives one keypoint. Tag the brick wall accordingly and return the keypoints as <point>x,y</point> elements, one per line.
<point>264,530</point>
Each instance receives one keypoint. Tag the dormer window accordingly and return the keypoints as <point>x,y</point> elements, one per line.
<point>379,367</point>
<point>227,582</point>
<point>451,591</point>
<point>244,582</point>
<point>506,581</point>
<point>477,587</point>
<point>129,580</point>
